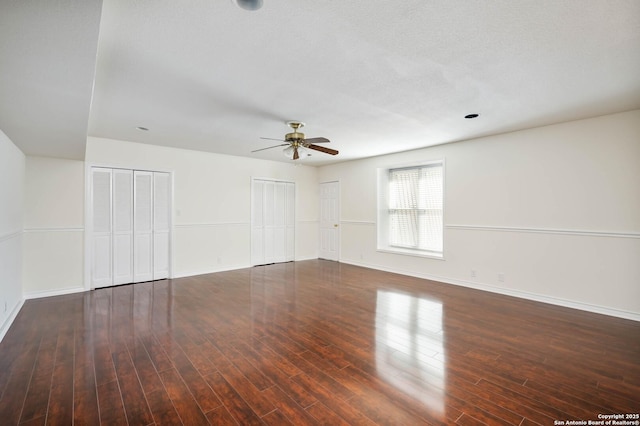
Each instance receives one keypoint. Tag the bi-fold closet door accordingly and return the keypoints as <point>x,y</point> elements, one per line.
<point>272,222</point>
<point>131,226</point>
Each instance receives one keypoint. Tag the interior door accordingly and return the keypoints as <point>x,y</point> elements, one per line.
<point>329,220</point>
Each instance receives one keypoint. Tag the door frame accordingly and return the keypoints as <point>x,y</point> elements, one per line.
<point>88,215</point>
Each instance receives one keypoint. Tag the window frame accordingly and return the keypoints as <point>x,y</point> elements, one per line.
<point>383,219</point>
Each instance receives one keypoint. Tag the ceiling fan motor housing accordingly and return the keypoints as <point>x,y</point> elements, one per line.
<point>295,136</point>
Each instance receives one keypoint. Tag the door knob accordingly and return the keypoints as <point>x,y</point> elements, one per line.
<point>335,225</point>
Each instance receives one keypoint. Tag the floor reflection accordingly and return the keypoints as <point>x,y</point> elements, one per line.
<point>409,346</point>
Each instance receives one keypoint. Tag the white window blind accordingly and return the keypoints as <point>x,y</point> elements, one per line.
<point>415,205</point>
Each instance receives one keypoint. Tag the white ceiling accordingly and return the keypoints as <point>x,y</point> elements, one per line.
<point>373,76</point>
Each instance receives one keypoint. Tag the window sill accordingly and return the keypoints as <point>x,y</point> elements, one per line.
<point>409,252</point>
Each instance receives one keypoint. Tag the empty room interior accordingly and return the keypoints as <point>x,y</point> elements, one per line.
<point>317,212</point>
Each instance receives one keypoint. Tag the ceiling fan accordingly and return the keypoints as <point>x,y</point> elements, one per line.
<point>296,143</point>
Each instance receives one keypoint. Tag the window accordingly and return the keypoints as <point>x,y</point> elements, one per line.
<point>411,209</point>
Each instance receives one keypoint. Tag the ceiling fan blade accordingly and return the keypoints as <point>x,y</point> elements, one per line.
<point>323,149</point>
<point>295,153</point>
<point>317,140</point>
<point>272,139</point>
<point>269,147</point>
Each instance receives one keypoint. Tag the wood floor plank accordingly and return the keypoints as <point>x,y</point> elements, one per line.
<point>343,409</point>
<point>144,367</point>
<point>325,416</point>
<point>183,401</point>
<point>220,416</point>
<point>86,410</point>
<point>312,342</point>
<point>233,402</point>
<point>288,407</point>
<point>12,400</point>
<point>157,355</point>
<point>110,402</point>
<point>162,409</point>
<point>60,409</point>
<point>37,399</point>
<point>276,418</point>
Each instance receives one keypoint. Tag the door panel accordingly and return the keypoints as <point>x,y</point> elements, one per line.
<point>122,226</point>
<point>142,227</point>
<point>101,261</point>
<point>161,224</point>
<point>257,223</point>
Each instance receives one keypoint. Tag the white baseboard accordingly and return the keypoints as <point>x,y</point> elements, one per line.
<point>634,316</point>
<point>49,293</point>
<point>12,316</point>
<point>185,274</point>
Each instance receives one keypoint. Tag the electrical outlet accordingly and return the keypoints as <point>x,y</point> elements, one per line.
<point>501,277</point>
<point>473,273</point>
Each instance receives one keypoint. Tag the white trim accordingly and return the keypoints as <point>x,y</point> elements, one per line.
<point>358,222</point>
<point>416,253</point>
<point>573,232</point>
<point>6,325</point>
<point>34,230</point>
<point>217,224</point>
<point>10,236</point>
<point>603,310</point>
<point>211,224</point>
<point>185,274</point>
<point>49,293</point>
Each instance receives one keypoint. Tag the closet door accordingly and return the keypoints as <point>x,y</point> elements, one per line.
<point>101,262</point>
<point>268,221</point>
<point>257,223</point>
<point>161,224</point>
<point>290,222</point>
<point>279,207</point>
<point>122,226</point>
<point>273,222</point>
<point>143,226</point>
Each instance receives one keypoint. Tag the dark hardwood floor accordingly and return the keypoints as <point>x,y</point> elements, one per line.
<point>312,342</point>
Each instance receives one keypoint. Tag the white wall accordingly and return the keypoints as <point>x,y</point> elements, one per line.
<point>212,199</point>
<point>555,209</point>
<point>53,226</point>
<point>11,215</point>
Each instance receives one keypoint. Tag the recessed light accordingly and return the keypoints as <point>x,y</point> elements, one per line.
<point>249,4</point>
<point>469,116</point>
<point>144,129</point>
